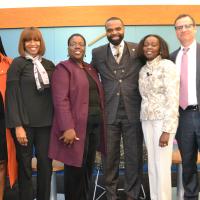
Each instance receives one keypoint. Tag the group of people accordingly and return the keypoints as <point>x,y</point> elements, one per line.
<point>68,111</point>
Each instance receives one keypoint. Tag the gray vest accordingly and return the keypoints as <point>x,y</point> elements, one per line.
<point>120,75</point>
<point>120,81</point>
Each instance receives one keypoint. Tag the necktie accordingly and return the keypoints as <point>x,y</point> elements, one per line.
<point>117,54</point>
<point>183,101</point>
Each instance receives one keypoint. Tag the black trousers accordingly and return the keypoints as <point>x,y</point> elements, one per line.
<point>77,180</point>
<point>3,145</point>
<point>188,138</point>
<point>38,138</point>
<point>131,134</point>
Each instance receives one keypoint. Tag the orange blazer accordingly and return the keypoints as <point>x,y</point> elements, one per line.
<point>12,162</point>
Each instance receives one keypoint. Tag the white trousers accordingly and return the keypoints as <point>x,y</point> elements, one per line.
<point>159,160</point>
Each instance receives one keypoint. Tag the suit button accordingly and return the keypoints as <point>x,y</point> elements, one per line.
<point>118,93</point>
<point>122,71</point>
<point>120,80</point>
<point>115,71</point>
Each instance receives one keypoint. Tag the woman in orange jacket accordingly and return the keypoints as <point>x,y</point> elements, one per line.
<point>7,155</point>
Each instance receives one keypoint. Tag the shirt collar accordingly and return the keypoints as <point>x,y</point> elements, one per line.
<point>192,46</point>
<point>154,62</point>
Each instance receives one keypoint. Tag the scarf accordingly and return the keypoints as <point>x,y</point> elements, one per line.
<point>40,74</point>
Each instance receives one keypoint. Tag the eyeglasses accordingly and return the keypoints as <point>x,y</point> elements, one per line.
<point>186,26</point>
<point>77,44</point>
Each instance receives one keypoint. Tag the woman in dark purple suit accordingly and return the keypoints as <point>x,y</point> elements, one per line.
<point>78,124</point>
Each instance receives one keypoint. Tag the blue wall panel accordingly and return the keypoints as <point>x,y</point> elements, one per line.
<point>56,38</point>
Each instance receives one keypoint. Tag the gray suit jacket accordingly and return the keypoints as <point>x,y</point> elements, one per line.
<point>126,83</point>
<point>173,58</point>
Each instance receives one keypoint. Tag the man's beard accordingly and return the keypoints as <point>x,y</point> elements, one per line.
<point>115,42</point>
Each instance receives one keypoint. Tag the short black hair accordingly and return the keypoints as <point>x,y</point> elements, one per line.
<point>114,18</point>
<point>164,50</point>
<point>74,35</point>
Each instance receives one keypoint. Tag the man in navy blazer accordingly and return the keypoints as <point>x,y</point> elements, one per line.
<point>188,133</point>
<point>119,68</point>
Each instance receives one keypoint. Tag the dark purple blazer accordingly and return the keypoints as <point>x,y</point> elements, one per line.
<point>70,91</point>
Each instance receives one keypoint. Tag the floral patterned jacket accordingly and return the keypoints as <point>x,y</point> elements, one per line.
<point>159,88</point>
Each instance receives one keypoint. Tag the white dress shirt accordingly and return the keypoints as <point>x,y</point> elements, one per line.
<point>114,49</point>
<point>192,96</point>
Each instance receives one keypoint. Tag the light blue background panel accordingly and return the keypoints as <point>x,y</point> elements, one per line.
<point>56,38</point>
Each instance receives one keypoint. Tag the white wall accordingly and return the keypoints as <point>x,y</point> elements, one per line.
<point>50,3</point>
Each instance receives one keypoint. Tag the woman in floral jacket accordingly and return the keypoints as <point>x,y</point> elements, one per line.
<point>159,88</point>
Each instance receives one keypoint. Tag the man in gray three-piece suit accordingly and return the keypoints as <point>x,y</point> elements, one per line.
<point>119,69</point>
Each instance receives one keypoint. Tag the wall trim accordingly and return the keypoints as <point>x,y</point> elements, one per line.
<point>94,15</point>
